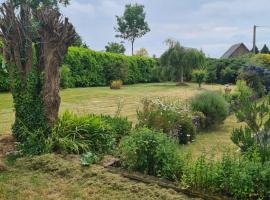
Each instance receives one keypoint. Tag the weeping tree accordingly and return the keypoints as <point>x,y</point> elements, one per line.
<point>181,60</point>
<point>36,38</point>
<point>193,59</point>
<point>173,58</point>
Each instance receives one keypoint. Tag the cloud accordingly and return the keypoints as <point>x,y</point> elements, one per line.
<point>211,25</point>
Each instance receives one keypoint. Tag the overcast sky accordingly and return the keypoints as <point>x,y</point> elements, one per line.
<point>210,25</point>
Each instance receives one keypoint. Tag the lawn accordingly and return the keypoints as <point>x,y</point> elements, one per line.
<point>104,100</point>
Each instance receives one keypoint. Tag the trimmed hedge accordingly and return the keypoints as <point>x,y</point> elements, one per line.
<point>4,82</point>
<point>91,68</point>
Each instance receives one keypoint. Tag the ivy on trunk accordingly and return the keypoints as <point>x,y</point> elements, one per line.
<point>35,43</point>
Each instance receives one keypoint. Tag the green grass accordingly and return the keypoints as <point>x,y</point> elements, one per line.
<point>102,100</point>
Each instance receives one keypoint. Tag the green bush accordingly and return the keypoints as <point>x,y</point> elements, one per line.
<point>90,68</point>
<point>253,80</point>
<point>255,114</point>
<point>80,134</point>
<point>171,117</point>
<point>212,105</point>
<point>228,75</point>
<point>151,153</point>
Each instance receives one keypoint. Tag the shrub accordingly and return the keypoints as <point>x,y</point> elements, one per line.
<point>228,75</point>
<point>212,105</point>
<point>116,84</point>
<point>199,76</point>
<point>253,80</point>
<point>80,134</point>
<point>256,116</point>
<point>168,116</point>
<point>151,153</point>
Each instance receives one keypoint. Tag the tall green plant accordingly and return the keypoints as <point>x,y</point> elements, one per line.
<point>255,113</point>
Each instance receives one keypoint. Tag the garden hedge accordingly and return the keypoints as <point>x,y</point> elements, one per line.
<point>91,68</point>
<point>4,83</point>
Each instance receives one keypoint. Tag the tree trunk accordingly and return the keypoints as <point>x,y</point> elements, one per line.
<point>181,75</point>
<point>51,87</point>
<point>132,47</point>
<point>55,36</point>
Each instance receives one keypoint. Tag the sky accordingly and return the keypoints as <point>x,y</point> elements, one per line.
<point>210,25</point>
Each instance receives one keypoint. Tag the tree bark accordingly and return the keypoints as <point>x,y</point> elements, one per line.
<point>55,36</point>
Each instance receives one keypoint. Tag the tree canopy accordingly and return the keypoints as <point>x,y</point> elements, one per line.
<point>40,3</point>
<point>132,24</point>
<point>115,47</point>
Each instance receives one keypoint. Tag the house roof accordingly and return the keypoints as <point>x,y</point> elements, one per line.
<point>232,49</point>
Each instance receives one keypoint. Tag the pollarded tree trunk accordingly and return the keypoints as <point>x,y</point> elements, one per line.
<point>17,47</point>
<point>51,87</point>
<point>55,36</point>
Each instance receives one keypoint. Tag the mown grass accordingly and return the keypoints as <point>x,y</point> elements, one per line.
<point>24,183</point>
<point>103,100</point>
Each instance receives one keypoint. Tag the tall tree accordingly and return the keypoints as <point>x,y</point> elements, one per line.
<point>115,47</point>
<point>132,24</point>
<point>265,49</point>
<point>35,38</point>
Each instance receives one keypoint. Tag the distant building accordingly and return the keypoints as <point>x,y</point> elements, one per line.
<point>235,51</point>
